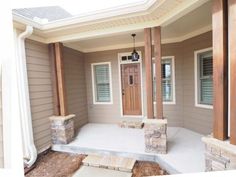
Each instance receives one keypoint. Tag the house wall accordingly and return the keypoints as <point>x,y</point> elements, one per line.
<point>174,113</point>
<point>112,113</point>
<point>108,113</point>
<point>75,85</point>
<point>197,119</point>
<point>77,67</point>
<point>40,90</point>
<point>183,113</point>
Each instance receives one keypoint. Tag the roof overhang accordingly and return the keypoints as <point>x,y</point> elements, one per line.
<point>107,22</point>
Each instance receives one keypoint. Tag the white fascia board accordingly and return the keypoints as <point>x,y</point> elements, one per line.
<point>26,21</point>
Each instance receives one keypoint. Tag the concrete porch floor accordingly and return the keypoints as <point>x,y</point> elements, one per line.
<point>185,148</point>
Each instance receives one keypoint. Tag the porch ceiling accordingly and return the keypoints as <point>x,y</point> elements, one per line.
<point>110,22</point>
<point>194,23</point>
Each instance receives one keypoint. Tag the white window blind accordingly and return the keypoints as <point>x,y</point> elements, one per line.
<point>205,78</point>
<point>102,82</point>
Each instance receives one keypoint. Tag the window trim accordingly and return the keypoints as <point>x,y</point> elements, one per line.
<point>196,78</point>
<point>93,83</point>
<point>173,102</point>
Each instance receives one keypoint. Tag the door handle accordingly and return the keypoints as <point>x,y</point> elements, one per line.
<point>123,92</point>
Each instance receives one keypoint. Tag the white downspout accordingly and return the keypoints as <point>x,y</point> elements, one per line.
<point>30,152</point>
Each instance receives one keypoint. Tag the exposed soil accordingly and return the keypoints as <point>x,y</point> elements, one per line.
<point>56,164</point>
<point>142,168</point>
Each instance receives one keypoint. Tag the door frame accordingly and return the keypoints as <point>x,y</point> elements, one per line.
<point>120,84</point>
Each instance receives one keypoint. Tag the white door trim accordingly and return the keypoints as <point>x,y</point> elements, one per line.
<point>120,85</point>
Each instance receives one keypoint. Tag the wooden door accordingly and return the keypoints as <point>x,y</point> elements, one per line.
<point>131,89</point>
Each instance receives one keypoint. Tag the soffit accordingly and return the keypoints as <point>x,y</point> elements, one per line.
<point>159,12</point>
<point>193,23</point>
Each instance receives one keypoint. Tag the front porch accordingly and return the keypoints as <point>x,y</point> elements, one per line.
<point>110,139</point>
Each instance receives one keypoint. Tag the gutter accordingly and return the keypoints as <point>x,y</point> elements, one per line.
<point>29,149</point>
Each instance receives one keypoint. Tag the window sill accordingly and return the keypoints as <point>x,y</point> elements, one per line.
<point>167,103</point>
<point>102,103</point>
<point>204,106</point>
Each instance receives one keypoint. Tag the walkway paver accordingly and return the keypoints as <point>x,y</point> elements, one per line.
<point>88,171</point>
<point>110,162</point>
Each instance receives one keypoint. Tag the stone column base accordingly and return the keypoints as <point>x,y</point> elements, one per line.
<point>219,155</point>
<point>62,128</point>
<point>155,131</point>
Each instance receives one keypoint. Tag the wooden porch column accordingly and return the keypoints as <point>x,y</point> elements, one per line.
<point>157,55</point>
<point>232,60</point>
<point>60,78</point>
<point>56,105</point>
<point>220,69</point>
<point>148,68</point>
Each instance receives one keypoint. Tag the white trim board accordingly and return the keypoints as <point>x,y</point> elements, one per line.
<point>196,79</point>
<point>110,81</point>
<point>120,85</point>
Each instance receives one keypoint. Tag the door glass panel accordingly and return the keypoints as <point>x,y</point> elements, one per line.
<point>131,79</point>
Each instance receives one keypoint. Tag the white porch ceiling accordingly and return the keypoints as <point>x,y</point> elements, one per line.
<point>110,22</point>
<point>193,23</point>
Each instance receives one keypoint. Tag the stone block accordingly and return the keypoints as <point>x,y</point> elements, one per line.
<point>62,129</point>
<point>131,124</point>
<point>216,165</point>
<point>208,163</point>
<point>215,150</point>
<point>155,136</point>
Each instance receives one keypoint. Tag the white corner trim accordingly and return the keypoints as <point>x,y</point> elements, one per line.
<point>93,83</point>
<point>173,102</point>
<point>120,85</point>
<point>12,136</point>
<point>196,85</point>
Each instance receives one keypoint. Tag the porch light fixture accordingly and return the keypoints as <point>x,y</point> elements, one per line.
<point>134,54</point>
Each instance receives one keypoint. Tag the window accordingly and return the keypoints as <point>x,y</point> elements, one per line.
<point>101,78</point>
<point>168,80</point>
<point>203,78</point>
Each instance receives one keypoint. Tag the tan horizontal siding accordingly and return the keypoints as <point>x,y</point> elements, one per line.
<point>40,89</point>
<point>75,85</point>
<point>197,119</point>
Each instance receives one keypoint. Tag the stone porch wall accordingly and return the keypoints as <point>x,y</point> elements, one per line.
<point>219,155</point>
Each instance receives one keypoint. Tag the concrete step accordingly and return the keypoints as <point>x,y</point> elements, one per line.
<point>87,171</point>
<point>110,162</point>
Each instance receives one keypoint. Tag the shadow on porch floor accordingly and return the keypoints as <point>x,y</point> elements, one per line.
<point>185,148</point>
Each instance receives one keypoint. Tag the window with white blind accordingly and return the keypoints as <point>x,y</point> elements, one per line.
<point>204,78</point>
<point>101,79</point>
<point>168,80</point>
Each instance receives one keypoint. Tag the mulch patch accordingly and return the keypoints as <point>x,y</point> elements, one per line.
<point>56,164</point>
<point>143,168</point>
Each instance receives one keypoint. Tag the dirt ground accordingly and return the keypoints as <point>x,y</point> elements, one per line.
<point>142,168</point>
<point>56,164</point>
